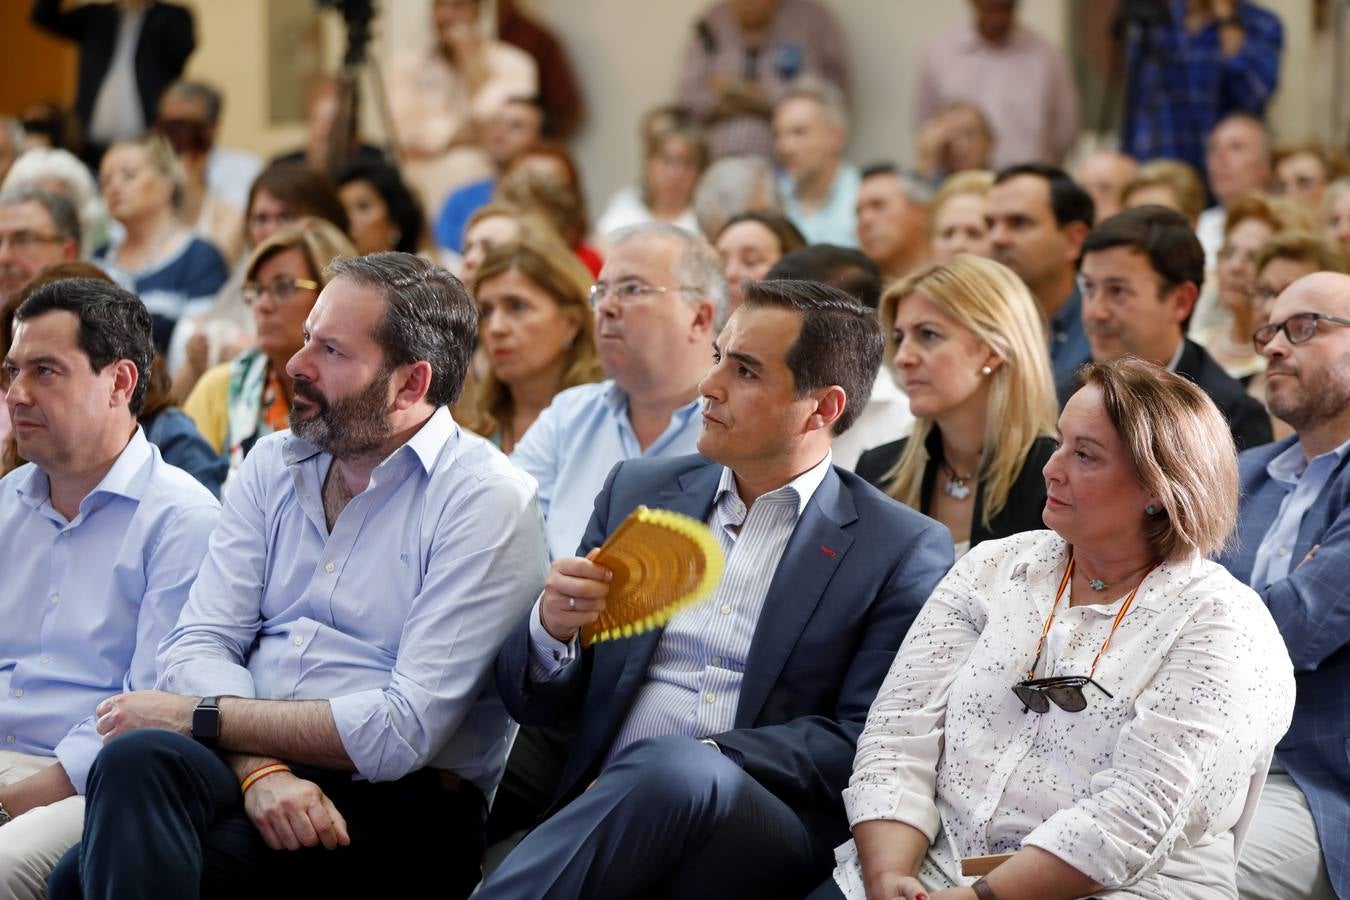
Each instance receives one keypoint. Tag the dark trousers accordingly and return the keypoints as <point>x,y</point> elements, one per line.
<point>670,817</point>
<point>164,817</point>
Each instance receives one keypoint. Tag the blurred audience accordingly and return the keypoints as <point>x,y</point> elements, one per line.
<point>516,126</point>
<point>675,155</point>
<point>749,245</point>
<point>559,93</point>
<point>1104,174</point>
<point>818,187</point>
<point>544,180</point>
<point>1020,81</point>
<point>382,214</point>
<point>892,213</point>
<point>1303,169</point>
<point>174,272</point>
<point>11,143</point>
<point>1250,222</point>
<point>733,185</point>
<point>38,229</point>
<point>189,116</point>
<point>957,139</point>
<point>742,58</point>
<point>330,104</point>
<point>1166,182</point>
<point>536,328</point>
<point>61,172</point>
<point>1237,162</point>
<point>1188,65</point>
<point>1038,217</point>
<point>1336,211</point>
<point>441,98</point>
<point>956,217</point>
<point>130,51</point>
<point>237,402</point>
<point>967,342</point>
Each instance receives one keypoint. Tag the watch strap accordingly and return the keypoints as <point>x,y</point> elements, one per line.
<point>206,721</point>
<point>983,890</point>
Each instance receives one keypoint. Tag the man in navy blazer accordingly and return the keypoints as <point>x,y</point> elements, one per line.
<point>710,755</point>
<point>1293,548</point>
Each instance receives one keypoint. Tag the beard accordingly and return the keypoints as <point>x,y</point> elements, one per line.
<point>1302,408</point>
<point>350,427</point>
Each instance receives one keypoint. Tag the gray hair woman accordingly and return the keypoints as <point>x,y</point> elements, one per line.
<point>1090,705</point>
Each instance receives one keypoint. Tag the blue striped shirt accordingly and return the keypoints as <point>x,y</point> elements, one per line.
<point>694,679</point>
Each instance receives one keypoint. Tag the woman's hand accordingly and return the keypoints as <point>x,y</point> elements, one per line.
<point>895,886</point>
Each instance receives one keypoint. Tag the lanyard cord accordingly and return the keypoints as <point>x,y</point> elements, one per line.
<point>1063,585</point>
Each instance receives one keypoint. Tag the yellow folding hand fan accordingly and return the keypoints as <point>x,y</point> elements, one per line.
<point>661,561</point>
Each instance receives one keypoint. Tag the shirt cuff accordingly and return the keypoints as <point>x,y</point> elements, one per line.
<point>76,751</point>
<point>375,747</point>
<point>207,678</point>
<point>548,655</point>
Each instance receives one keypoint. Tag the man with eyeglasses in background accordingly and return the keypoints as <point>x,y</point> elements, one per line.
<point>659,303</point>
<point>1140,275</point>
<point>38,229</point>
<point>1293,548</point>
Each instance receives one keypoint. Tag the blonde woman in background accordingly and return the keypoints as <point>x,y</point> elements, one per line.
<point>237,402</point>
<point>956,216</point>
<point>969,347</point>
<point>536,329</point>
<point>1336,211</point>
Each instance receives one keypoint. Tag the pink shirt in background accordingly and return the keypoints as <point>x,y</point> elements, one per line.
<point>1024,87</point>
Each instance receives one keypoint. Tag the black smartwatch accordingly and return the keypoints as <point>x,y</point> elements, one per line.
<point>206,722</point>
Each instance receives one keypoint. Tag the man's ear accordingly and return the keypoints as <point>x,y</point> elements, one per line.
<point>413,381</point>
<point>1182,299</point>
<point>1075,233</point>
<point>830,405</point>
<point>125,379</point>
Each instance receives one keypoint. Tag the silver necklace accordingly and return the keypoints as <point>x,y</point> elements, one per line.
<point>955,485</point>
<point>1098,585</point>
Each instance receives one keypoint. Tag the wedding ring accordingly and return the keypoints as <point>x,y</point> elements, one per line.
<point>571,602</point>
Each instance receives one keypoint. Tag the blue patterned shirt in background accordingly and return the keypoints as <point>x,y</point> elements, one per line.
<point>1179,85</point>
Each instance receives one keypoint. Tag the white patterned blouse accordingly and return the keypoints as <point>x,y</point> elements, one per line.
<point>1147,792</point>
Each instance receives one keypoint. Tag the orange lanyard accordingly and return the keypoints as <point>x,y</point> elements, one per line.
<point>1063,584</point>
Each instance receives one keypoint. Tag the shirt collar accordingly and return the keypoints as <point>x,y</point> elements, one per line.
<point>802,488</point>
<point>426,444</point>
<point>126,478</point>
<point>1155,592</point>
<point>1176,357</point>
<point>1290,464</point>
<point>1071,311</point>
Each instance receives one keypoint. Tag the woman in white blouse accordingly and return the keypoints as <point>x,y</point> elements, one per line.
<point>1099,701</point>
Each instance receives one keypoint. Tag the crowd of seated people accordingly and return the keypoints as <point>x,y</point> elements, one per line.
<point>1033,489</point>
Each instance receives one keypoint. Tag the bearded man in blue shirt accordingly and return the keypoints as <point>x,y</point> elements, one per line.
<point>104,540</point>
<point>328,690</point>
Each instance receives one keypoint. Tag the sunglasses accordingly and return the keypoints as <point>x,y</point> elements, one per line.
<point>1066,692</point>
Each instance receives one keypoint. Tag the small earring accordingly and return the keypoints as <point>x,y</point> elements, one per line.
<point>1150,510</point>
<point>569,344</point>
<point>986,371</point>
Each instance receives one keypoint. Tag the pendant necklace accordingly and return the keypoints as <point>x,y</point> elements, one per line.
<point>955,485</point>
<point>1098,585</point>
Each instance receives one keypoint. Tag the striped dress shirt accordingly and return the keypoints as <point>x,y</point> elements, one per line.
<point>694,679</point>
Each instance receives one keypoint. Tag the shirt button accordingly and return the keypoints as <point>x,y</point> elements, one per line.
<point>56,598</point>
<point>726,609</point>
<point>297,640</point>
<point>329,568</point>
<point>1283,551</point>
<point>709,698</point>
<point>18,692</point>
<point>717,660</point>
<point>45,660</point>
<point>9,739</point>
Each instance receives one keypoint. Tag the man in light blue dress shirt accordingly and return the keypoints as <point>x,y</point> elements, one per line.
<point>658,304</point>
<point>711,753</point>
<point>818,187</point>
<point>328,688</point>
<point>103,540</point>
<point>1293,548</point>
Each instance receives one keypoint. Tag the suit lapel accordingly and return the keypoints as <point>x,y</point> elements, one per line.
<point>813,554</point>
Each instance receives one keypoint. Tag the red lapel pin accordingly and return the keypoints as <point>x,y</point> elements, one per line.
<point>827,551</point>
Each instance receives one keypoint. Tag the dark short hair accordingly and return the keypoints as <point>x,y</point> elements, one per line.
<point>211,100</point>
<point>842,267</point>
<point>1067,198</point>
<point>430,316</point>
<point>307,192</point>
<point>914,187</point>
<point>789,236</point>
<point>1162,234</point>
<point>404,210</point>
<point>840,341</point>
<point>65,217</point>
<point>114,325</point>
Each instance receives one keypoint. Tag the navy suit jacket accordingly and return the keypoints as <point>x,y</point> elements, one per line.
<point>853,576</point>
<point>1312,609</point>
